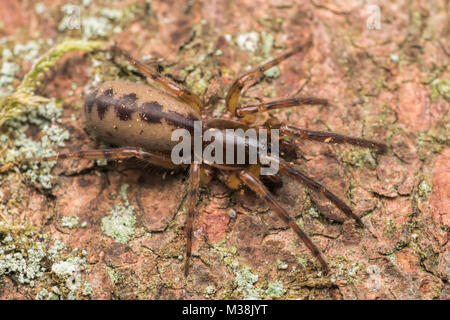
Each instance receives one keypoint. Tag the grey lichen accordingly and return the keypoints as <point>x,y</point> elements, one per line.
<point>281,265</point>
<point>423,191</point>
<point>245,281</point>
<point>42,295</point>
<point>69,266</point>
<point>54,251</point>
<point>25,263</point>
<point>27,260</point>
<point>70,222</point>
<point>440,87</point>
<point>17,145</point>
<point>120,224</point>
<point>87,289</point>
<point>275,290</point>
<point>248,41</point>
<point>7,74</point>
<point>359,158</point>
<point>114,275</point>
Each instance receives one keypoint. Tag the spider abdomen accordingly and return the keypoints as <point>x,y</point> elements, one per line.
<point>131,114</point>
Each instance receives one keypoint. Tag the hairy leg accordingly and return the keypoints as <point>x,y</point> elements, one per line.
<point>314,185</point>
<point>154,158</point>
<point>194,182</point>
<point>242,111</point>
<point>182,93</point>
<point>235,91</point>
<point>258,187</point>
<point>330,137</point>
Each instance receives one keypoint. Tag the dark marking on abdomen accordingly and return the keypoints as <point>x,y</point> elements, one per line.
<point>152,113</point>
<point>104,101</point>
<point>125,106</point>
<point>90,100</point>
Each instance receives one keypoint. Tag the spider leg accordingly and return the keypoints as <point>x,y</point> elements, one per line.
<point>182,93</point>
<point>154,158</point>
<point>314,185</point>
<point>258,187</point>
<point>194,182</point>
<point>235,91</point>
<point>330,137</point>
<point>242,111</point>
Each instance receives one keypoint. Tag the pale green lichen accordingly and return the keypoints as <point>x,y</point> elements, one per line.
<point>68,271</point>
<point>440,87</point>
<point>209,290</point>
<point>313,212</point>
<point>281,265</point>
<point>392,258</point>
<point>114,275</point>
<point>394,57</point>
<point>248,41</point>
<point>351,274</point>
<point>423,191</point>
<point>70,222</point>
<point>87,289</point>
<point>86,3</point>
<point>359,157</point>
<point>28,51</point>
<point>273,72</point>
<point>42,295</point>
<point>25,263</point>
<point>7,75</point>
<point>275,289</point>
<point>245,281</point>
<point>54,251</point>
<point>95,27</point>
<point>120,224</point>
<point>268,41</point>
<point>69,266</point>
<point>39,8</point>
<point>112,14</point>
<point>303,261</point>
<point>123,193</point>
<point>18,146</point>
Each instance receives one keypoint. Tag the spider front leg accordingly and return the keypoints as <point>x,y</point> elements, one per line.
<point>194,183</point>
<point>321,136</point>
<point>234,93</point>
<point>285,103</point>
<point>258,187</point>
<point>182,93</point>
<point>330,137</point>
<point>154,158</point>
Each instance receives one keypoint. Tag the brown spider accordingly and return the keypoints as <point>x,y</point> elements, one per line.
<point>140,120</point>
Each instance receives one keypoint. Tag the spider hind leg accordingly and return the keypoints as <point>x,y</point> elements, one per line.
<point>194,182</point>
<point>258,187</point>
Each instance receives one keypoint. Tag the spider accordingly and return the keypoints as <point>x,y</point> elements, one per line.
<point>139,120</point>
